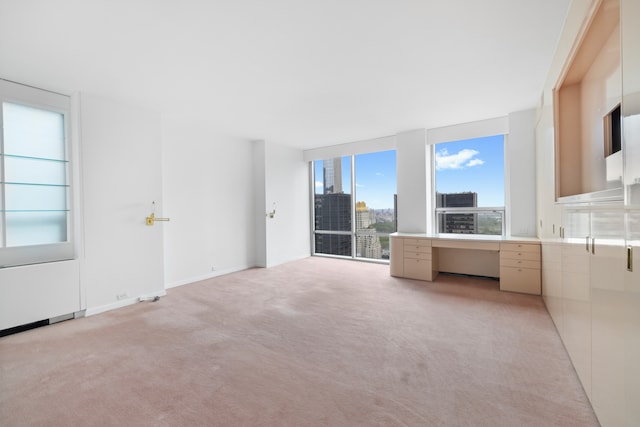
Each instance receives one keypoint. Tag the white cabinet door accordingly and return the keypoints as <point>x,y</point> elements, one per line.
<point>630,32</point>
<point>552,281</point>
<point>608,268</point>
<point>632,323</point>
<point>548,220</point>
<point>576,293</point>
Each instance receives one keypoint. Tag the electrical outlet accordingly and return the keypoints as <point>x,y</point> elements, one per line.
<point>121,296</point>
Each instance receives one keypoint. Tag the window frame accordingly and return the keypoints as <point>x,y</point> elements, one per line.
<point>15,93</point>
<point>353,233</point>
<point>500,210</point>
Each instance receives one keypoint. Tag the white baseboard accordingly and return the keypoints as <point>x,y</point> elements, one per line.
<point>206,276</point>
<point>123,303</point>
<point>284,261</point>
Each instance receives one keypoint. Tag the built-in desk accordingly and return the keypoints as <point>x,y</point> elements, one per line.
<point>514,260</point>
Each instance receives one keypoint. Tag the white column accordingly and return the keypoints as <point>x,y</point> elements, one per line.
<point>520,174</point>
<point>413,180</point>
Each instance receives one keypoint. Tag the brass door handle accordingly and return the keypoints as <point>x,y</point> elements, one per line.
<point>151,219</point>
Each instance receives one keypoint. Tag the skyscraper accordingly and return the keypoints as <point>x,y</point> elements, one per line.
<point>333,213</point>
<point>367,240</point>
<point>459,223</point>
<point>332,175</point>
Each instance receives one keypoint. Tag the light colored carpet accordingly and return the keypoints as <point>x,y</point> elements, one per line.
<point>316,342</point>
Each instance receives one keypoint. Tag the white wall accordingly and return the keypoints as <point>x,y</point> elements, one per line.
<point>121,167</point>
<point>209,196</point>
<point>286,188</point>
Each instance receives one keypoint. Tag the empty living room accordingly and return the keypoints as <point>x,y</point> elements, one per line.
<point>410,213</point>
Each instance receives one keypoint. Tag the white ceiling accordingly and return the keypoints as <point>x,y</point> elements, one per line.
<point>304,73</point>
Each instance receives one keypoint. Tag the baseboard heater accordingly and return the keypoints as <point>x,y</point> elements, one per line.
<point>39,323</point>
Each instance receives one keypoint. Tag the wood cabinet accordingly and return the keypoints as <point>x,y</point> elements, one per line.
<point>520,268</point>
<point>412,258</point>
<point>418,260</point>
<point>396,257</point>
<point>587,97</point>
<point>416,257</point>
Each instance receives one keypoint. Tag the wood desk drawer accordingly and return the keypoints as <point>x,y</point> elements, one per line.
<point>419,269</point>
<point>528,256</point>
<point>417,255</point>
<point>525,280</point>
<point>414,248</point>
<point>520,247</point>
<point>417,242</point>
<point>519,263</point>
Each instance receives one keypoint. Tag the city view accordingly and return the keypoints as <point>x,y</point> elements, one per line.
<point>375,187</point>
<point>470,174</point>
<point>469,184</point>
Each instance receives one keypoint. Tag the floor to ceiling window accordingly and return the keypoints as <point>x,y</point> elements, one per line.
<point>375,203</point>
<point>333,206</point>
<point>355,205</point>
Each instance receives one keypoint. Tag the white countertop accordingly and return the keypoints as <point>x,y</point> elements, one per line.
<point>469,237</point>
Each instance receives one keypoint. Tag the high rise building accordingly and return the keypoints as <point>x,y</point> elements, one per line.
<point>332,175</point>
<point>459,223</point>
<point>333,213</point>
<point>367,240</point>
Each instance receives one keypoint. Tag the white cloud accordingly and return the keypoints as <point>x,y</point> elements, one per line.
<point>359,185</point>
<point>319,184</point>
<point>379,174</point>
<point>474,162</point>
<point>461,159</point>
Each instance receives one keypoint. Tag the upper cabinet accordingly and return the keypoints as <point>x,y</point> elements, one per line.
<point>630,30</point>
<point>587,101</point>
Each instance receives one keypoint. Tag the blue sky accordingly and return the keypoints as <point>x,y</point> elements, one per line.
<point>375,178</point>
<point>475,165</point>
